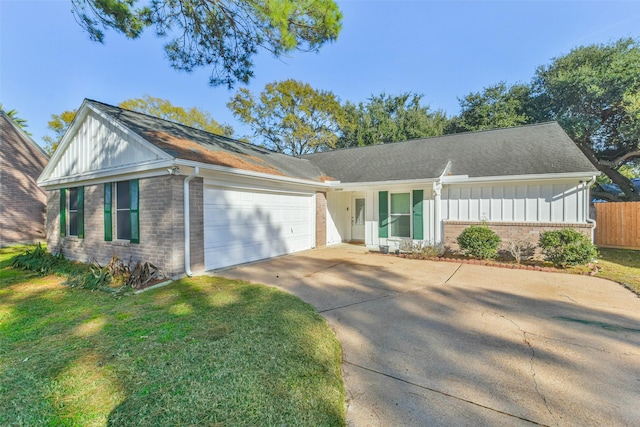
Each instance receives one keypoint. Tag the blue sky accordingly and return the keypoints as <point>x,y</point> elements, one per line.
<point>442,49</point>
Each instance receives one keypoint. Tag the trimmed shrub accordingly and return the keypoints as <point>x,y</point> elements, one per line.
<point>567,247</point>
<point>479,241</point>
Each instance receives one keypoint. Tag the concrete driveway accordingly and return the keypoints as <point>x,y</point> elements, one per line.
<point>436,343</point>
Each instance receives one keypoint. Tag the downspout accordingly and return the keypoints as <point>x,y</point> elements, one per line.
<point>187,226</point>
<point>587,202</point>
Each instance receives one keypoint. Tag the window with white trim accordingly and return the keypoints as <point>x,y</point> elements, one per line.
<point>125,215</point>
<point>72,212</point>
<point>400,215</point>
<point>123,211</point>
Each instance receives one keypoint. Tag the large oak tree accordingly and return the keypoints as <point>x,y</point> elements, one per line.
<point>290,116</point>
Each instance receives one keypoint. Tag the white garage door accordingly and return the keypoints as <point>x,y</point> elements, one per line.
<point>246,225</point>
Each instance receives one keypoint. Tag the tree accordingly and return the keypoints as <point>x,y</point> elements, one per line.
<point>58,124</point>
<point>497,106</point>
<point>291,116</point>
<point>594,93</point>
<point>386,118</point>
<point>222,34</point>
<point>164,109</point>
<point>13,115</point>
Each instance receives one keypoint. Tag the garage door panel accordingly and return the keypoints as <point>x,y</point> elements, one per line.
<point>242,226</point>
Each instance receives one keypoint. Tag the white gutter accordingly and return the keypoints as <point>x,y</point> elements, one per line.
<point>455,179</point>
<point>586,208</point>
<point>187,228</point>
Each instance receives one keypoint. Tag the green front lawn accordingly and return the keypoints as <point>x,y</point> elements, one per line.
<point>202,351</point>
<point>622,266</point>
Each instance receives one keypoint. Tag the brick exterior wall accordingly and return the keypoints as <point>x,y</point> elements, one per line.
<point>321,219</point>
<point>527,231</point>
<point>22,202</point>
<point>161,227</point>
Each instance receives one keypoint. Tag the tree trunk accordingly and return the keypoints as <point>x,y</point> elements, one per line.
<point>626,186</point>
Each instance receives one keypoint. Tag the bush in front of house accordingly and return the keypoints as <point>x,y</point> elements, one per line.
<point>567,247</point>
<point>479,241</point>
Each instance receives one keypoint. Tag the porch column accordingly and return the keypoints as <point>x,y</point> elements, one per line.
<point>437,228</point>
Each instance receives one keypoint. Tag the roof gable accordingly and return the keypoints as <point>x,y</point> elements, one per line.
<point>97,143</point>
<point>539,149</point>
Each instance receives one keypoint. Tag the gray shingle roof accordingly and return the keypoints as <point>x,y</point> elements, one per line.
<point>187,143</point>
<point>526,150</point>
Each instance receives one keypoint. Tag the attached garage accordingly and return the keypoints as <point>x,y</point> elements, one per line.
<point>242,225</point>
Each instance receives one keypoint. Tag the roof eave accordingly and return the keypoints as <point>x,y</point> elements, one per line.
<point>250,174</point>
<point>461,179</point>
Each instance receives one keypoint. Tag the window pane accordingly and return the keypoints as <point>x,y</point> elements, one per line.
<point>123,197</point>
<point>73,223</point>
<point>359,212</point>
<point>401,203</point>
<point>73,199</point>
<point>401,226</point>
<point>123,225</point>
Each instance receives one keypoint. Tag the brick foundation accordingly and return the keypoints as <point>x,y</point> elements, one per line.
<point>526,231</point>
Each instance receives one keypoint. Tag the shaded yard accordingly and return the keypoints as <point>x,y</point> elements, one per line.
<point>203,351</point>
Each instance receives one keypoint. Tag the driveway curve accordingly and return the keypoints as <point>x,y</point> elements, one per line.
<point>439,343</point>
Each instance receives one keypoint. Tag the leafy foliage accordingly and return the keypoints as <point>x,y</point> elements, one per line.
<point>164,109</point>
<point>387,118</point>
<point>58,124</point>
<point>497,106</point>
<point>39,260</point>
<point>479,241</point>
<point>567,247</point>
<point>223,34</point>
<point>291,116</point>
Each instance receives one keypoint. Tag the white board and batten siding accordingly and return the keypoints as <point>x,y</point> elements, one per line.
<point>558,202</point>
<point>244,225</point>
<point>97,145</point>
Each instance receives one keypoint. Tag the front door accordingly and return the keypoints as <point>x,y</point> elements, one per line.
<point>357,219</point>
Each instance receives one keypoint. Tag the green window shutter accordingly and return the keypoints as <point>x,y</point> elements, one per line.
<point>63,212</point>
<point>383,214</point>
<point>135,211</point>
<point>418,222</point>
<point>108,218</point>
<point>80,212</point>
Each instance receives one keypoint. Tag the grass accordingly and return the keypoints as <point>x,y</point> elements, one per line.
<point>619,265</point>
<point>203,351</point>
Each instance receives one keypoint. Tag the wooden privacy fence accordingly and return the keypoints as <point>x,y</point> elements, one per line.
<point>618,225</point>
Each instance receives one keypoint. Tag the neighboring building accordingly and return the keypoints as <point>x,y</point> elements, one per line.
<point>22,202</point>
<point>118,180</point>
